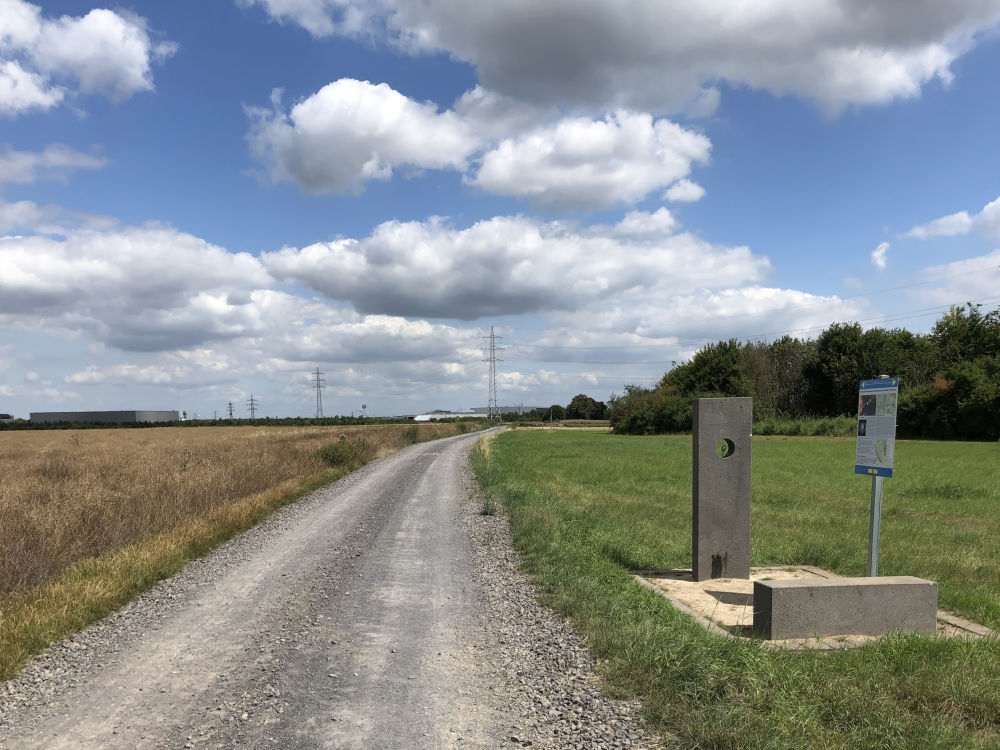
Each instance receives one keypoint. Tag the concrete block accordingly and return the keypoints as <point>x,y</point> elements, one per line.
<point>813,608</point>
<point>721,488</point>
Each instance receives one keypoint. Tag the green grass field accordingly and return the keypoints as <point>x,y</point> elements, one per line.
<point>586,507</point>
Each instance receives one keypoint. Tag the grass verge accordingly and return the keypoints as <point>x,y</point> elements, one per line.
<point>587,507</point>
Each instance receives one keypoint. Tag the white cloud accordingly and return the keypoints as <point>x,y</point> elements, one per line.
<point>22,23</point>
<point>203,367</point>
<point>19,214</point>
<point>946,226</point>
<point>641,225</point>
<point>493,116</point>
<point>55,162</point>
<point>106,52</point>
<point>879,256</point>
<point>319,17</point>
<point>192,315</point>
<point>706,103</point>
<point>585,163</point>
<point>22,90</point>
<point>49,394</point>
<point>390,359</point>
<point>658,56</point>
<point>685,191</point>
<point>30,217</point>
<point>986,222</point>
<point>348,337</point>
<point>352,131</point>
<point>531,382</point>
<point>673,328</point>
<point>151,311</point>
<point>122,375</point>
<point>136,288</point>
<point>640,335</point>
<point>395,353</point>
<point>510,265</point>
<point>103,52</point>
<point>969,280</point>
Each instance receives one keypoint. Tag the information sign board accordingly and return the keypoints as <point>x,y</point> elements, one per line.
<point>876,445</point>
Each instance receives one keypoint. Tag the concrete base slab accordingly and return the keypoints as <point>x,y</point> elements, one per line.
<point>876,605</point>
<point>725,606</point>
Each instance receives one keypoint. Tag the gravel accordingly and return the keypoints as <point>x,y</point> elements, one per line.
<point>549,672</point>
<point>528,664</point>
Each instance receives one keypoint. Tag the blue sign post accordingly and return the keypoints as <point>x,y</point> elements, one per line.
<point>875,450</point>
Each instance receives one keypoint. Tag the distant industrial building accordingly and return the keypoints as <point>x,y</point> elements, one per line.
<point>521,409</point>
<point>478,411</point>
<point>442,414</point>
<point>109,417</point>
<point>6,418</point>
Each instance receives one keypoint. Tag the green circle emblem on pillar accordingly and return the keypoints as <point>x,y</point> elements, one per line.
<point>725,448</point>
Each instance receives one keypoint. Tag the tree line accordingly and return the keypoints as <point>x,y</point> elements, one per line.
<point>24,424</point>
<point>581,406</point>
<point>949,378</point>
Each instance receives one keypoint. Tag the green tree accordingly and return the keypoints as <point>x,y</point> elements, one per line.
<point>899,353</point>
<point>965,333</point>
<point>584,407</point>
<point>718,368</point>
<point>632,412</point>
<point>950,378</point>
<point>834,369</point>
<point>775,372</point>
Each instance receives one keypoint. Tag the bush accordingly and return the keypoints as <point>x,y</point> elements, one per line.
<point>622,409</point>
<point>340,453</point>
<point>673,413</point>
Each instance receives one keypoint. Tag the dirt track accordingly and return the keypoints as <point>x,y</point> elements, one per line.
<point>349,621</point>
<point>381,612</point>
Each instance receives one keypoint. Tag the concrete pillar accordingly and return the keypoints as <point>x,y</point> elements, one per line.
<point>721,488</point>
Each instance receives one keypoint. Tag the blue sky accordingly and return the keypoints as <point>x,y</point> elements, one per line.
<point>200,201</point>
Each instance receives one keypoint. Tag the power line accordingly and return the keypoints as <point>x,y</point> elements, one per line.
<point>493,407</point>
<point>253,404</point>
<point>230,409</point>
<point>317,380</point>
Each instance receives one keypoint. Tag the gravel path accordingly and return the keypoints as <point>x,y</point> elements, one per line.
<point>380,612</point>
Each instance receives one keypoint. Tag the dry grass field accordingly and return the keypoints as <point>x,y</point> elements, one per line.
<point>90,518</point>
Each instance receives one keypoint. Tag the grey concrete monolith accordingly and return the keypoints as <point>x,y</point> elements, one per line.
<point>721,488</point>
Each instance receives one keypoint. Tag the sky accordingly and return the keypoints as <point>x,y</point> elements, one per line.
<point>204,201</point>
